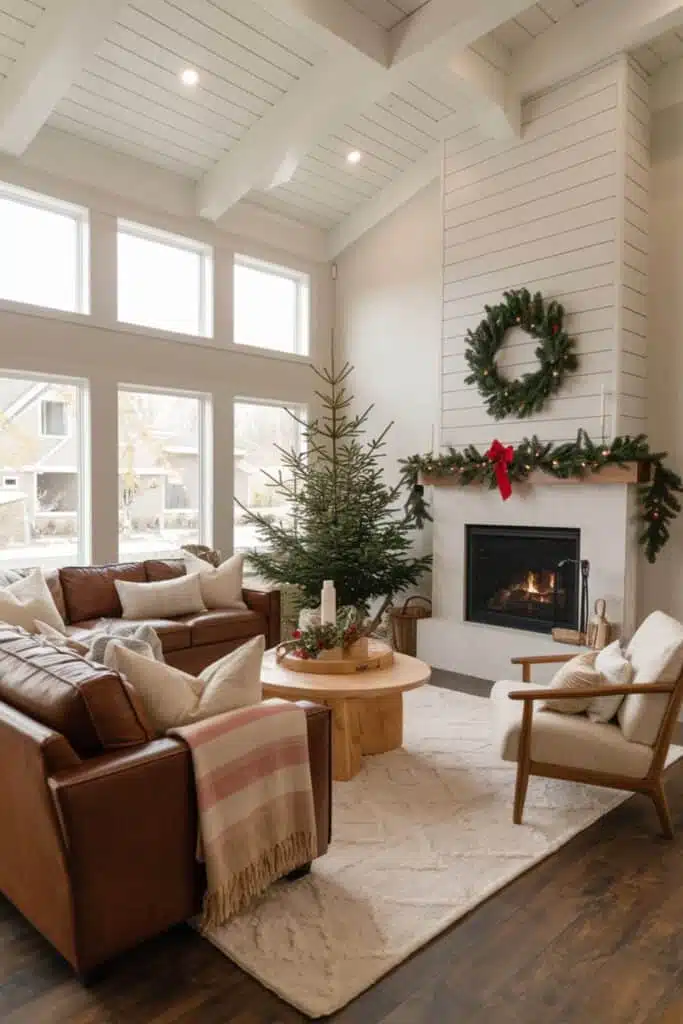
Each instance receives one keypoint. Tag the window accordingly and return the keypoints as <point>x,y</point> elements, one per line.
<point>259,428</point>
<point>53,418</point>
<point>45,259</point>
<point>43,497</point>
<point>164,281</point>
<point>164,460</point>
<point>272,306</point>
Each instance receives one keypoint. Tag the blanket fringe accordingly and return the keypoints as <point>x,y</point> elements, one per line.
<point>236,894</point>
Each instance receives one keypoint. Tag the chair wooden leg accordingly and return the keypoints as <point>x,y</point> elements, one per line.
<point>523,760</point>
<point>521,786</point>
<point>662,808</point>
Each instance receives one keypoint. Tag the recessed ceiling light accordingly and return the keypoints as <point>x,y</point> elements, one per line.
<point>354,157</point>
<point>189,77</point>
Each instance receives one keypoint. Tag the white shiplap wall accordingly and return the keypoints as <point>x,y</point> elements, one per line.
<point>635,136</point>
<point>546,212</point>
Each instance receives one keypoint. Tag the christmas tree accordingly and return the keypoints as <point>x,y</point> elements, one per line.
<point>346,523</point>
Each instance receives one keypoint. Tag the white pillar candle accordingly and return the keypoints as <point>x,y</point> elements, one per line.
<point>328,604</point>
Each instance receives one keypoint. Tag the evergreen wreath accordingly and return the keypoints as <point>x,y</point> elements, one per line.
<point>528,394</point>
<point>658,503</point>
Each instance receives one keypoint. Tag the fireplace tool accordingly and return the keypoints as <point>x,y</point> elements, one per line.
<point>573,636</point>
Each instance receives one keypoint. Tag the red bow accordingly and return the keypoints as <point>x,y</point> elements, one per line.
<point>501,458</point>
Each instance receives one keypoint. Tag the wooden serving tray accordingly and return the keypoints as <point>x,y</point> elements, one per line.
<point>336,662</point>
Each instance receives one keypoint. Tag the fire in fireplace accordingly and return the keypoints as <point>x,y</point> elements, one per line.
<point>523,577</point>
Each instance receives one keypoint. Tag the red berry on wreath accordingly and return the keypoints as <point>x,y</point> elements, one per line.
<point>296,635</point>
<point>556,328</point>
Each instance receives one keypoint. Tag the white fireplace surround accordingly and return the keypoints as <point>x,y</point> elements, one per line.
<point>604,513</point>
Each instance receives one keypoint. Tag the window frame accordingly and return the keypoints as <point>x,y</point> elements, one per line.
<point>205,517</point>
<point>184,243</point>
<point>82,417</point>
<point>81,217</point>
<point>303,312</point>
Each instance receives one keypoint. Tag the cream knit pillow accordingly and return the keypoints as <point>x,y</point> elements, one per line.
<point>164,599</point>
<point>171,697</point>
<point>578,674</point>
<point>616,670</point>
<point>29,599</point>
<point>221,587</point>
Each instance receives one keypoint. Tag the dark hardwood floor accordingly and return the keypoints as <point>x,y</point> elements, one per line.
<point>593,935</point>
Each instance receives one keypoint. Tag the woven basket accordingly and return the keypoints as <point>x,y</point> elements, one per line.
<point>404,623</point>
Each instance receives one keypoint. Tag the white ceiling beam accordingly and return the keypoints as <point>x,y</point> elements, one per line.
<point>499,108</point>
<point>334,25</point>
<point>399,191</point>
<point>588,35</point>
<point>65,37</point>
<point>667,86</point>
<point>441,23</point>
<point>345,84</point>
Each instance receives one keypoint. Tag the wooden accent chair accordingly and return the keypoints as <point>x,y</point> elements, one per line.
<point>628,753</point>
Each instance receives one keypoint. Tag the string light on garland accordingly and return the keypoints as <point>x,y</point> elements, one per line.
<point>555,353</point>
<point>658,503</point>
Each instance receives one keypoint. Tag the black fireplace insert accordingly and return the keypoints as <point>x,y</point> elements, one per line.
<point>523,577</point>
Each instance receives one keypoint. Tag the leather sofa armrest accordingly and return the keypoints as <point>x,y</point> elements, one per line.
<point>319,722</point>
<point>130,828</point>
<point>267,603</point>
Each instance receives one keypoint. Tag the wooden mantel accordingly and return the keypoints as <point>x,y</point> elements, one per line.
<point>631,473</point>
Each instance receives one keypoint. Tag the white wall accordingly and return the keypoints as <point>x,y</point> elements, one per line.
<point>107,353</point>
<point>389,322</point>
<point>548,212</point>
<point>663,581</point>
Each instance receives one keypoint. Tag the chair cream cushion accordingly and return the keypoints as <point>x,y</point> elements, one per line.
<point>656,653</point>
<point>163,599</point>
<point>171,697</point>
<point>221,587</point>
<point>572,741</point>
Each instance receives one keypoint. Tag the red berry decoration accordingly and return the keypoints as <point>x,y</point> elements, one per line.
<point>296,634</point>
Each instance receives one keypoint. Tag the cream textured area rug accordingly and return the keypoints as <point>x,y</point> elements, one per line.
<point>420,837</point>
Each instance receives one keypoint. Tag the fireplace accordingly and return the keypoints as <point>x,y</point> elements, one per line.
<point>522,577</point>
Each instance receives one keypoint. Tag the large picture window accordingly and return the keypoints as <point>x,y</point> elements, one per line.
<point>44,261</point>
<point>260,428</point>
<point>272,306</point>
<point>43,473</point>
<point>164,281</point>
<point>164,463</point>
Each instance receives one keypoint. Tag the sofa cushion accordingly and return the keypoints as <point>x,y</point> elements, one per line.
<point>221,585</point>
<point>569,740</point>
<point>219,626</point>
<point>93,708</point>
<point>175,635</point>
<point>164,569</point>
<point>89,591</point>
<point>656,653</point>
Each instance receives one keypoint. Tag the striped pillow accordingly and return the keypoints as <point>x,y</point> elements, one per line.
<point>578,674</point>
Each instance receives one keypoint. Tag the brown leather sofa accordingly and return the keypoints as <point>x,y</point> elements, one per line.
<point>98,820</point>
<point>87,598</point>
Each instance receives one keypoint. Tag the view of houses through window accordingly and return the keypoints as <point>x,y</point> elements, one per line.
<point>259,429</point>
<point>162,466</point>
<point>41,471</point>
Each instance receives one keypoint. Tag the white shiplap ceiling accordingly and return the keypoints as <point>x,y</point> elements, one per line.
<point>251,56</point>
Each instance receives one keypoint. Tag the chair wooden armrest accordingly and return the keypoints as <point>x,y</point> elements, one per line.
<point>526,661</point>
<point>598,691</point>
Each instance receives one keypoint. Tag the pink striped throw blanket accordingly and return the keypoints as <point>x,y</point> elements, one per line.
<point>256,814</point>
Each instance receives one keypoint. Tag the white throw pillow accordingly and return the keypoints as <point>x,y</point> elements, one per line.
<point>221,587</point>
<point>617,670</point>
<point>577,674</point>
<point>171,697</point>
<point>29,599</point>
<point>164,599</point>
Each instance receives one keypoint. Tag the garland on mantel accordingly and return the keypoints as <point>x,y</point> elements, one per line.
<point>657,501</point>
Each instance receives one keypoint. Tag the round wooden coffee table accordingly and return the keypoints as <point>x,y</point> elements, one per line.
<point>367,707</point>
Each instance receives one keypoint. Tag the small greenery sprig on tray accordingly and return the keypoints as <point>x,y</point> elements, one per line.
<point>309,642</point>
<point>657,501</point>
